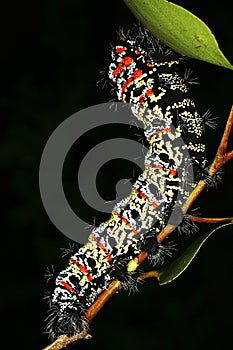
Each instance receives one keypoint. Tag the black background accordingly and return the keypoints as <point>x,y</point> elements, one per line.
<point>51,55</point>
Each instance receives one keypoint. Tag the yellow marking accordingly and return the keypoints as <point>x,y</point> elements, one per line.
<point>132,266</point>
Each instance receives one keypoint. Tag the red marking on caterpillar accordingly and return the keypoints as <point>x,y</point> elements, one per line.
<point>136,74</point>
<point>102,247</point>
<point>120,49</point>
<point>82,268</point>
<point>155,205</point>
<point>141,194</point>
<point>143,97</point>
<point>165,131</point>
<point>172,172</point>
<point>66,286</point>
<point>126,221</point>
<point>126,61</point>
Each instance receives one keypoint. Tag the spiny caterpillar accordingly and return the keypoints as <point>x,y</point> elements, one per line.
<point>146,74</point>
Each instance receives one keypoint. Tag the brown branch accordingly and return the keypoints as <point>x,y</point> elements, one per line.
<point>62,341</point>
<point>210,220</point>
<point>223,144</point>
<point>229,155</point>
<point>221,158</point>
<point>112,289</point>
<point>102,299</point>
<point>150,274</point>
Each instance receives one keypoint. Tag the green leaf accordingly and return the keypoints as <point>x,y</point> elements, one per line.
<point>179,29</point>
<point>179,265</point>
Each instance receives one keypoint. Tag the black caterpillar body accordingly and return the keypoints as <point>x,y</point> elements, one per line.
<point>145,73</point>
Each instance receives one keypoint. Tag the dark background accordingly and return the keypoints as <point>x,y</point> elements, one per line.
<point>51,55</point>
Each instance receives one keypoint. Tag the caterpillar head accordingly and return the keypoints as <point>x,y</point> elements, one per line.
<point>142,69</point>
<point>63,315</point>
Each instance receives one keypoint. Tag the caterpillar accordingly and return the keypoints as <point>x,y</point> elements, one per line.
<point>149,76</point>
